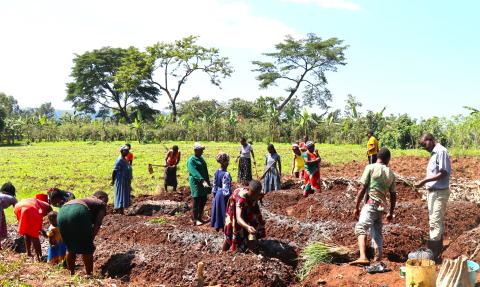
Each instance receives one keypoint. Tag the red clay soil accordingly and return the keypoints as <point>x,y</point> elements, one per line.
<point>139,253</point>
<point>335,206</point>
<point>466,244</point>
<point>409,166</point>
<point>345,275</point>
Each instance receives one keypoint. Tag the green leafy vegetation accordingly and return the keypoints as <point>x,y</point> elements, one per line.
<point>311,256</point>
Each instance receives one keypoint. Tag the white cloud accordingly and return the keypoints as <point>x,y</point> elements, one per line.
<point>330,4</point>
<point>40,38</point>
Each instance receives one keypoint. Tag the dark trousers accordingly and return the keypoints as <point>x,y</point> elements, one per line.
<point>198,207</point>
<point>372,159</point>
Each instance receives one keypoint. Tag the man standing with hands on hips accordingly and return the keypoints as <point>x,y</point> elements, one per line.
<point>437,182</point>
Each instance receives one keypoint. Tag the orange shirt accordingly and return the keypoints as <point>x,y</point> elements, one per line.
<point>173,158</point>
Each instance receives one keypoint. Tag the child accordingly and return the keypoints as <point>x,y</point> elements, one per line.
<point>222,187</point>
<point>298,165</point>
<point>379,180</point>
<point>57,249</point>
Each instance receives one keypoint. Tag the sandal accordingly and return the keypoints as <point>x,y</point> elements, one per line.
<point>377,268</point>
<point>360,262</point>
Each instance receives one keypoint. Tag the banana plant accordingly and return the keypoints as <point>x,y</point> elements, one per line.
<point>473,111</point>
<point>306,120</point>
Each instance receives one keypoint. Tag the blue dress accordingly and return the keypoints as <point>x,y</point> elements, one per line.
<point>222,187</point>
<point>123,181</point>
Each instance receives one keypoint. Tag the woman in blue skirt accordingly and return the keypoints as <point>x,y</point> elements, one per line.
<point>222,187</point>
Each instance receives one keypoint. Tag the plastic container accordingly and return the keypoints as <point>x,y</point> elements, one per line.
<point>472,271</point>
<point>421,253</point>
<point>420,272</point>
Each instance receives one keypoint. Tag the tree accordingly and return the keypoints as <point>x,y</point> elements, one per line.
<point>9,105</point>
<point>175,63</point>
<point>302,61</point>
<point>111,79</point>
<point>46,110</point>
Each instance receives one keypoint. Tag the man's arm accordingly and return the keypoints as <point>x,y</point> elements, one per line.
<point>393,202</point>
<point>441,174</point>
<point>358,199</point>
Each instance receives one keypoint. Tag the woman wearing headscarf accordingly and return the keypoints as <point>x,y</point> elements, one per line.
<point>222,187</point>
<point>199,182</point>
<point>312,169</point>
<point>30,213</point>
<point>273,170</point>
<point>244,223</point>
<point>7,199</point>
<point>122,180</point>
<point>79,221</point>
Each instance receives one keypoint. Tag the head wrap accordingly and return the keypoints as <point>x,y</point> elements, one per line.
<point>309,144</point>
<point>222,158</point>
<point>42,196</point>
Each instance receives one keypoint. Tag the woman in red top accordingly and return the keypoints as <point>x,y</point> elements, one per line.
<point>129,156</point>
<point>244,223</point>
<point>30,213</point>
<point>171,161</point>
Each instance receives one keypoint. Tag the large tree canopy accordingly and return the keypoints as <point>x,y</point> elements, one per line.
<point>9,105</point>
<point>302,63</point>
<point>176,62</point>
<point>110,80</point>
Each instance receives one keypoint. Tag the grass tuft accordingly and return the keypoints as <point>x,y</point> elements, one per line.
<point>311,256</point>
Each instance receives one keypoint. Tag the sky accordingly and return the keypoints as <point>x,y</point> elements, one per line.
<point>415,57</point>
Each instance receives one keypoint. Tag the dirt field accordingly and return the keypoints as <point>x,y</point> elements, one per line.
<point>137,250</point>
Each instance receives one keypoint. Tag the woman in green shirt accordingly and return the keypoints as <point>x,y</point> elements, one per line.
<point>199,183</point>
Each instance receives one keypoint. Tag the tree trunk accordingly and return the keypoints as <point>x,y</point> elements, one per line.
<point>124,114</point>
<point>174,111</point>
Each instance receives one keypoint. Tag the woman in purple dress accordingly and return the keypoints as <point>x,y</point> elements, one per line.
<point>222,187</point>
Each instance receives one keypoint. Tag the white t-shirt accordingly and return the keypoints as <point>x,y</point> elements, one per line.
<point>246,150</point>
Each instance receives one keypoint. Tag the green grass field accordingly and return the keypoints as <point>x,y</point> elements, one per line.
<point>83,167</point>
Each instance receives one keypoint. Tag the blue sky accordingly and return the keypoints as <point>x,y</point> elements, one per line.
<point>415,57</point>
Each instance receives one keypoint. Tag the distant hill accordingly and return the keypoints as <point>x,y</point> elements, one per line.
<point>58,113</point>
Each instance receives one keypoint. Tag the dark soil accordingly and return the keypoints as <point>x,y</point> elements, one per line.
<point>139,252</point>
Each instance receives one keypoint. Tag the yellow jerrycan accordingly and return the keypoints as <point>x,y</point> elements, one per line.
<point>420,273</point>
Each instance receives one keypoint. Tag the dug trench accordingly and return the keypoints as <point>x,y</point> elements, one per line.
<point>164,247</point>
<point>156,242</point>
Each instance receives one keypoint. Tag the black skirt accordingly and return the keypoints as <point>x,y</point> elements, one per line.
<point>170,176</point>
<point>244,169</point>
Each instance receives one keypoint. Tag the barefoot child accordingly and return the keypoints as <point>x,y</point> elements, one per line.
<point>57,249</point>
<point>378,179</point>
<point>298,164</point>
